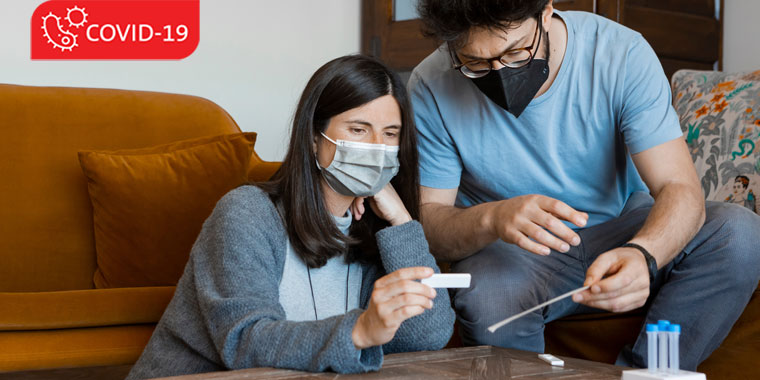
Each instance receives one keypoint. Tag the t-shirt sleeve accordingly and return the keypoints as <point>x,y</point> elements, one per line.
<point>440,164</point>
<point>647,116</point>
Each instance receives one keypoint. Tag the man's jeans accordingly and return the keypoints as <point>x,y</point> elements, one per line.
<point>704,288</point>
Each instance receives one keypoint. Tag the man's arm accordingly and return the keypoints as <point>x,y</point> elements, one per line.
<point>676,217</point>
<point>679,208</point>
<point>453,233</point>
<point>533,222</point>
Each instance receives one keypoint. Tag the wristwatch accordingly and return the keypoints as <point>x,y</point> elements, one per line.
<point>651,262</point>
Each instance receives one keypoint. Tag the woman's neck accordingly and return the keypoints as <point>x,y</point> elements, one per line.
<point>337,204</point>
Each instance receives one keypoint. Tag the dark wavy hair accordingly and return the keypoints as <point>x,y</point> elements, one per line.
<point>340,85</point>
<point>450,21</point>
<point>743,179</point>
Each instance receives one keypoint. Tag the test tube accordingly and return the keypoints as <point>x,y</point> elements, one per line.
<point>662,337</point>
<point>652,347</point>
<point>673,332</point>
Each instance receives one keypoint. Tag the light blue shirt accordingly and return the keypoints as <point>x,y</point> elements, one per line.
<point>330,284</point>
<point>609,100</point>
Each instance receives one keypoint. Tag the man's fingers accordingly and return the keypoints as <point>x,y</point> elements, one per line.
<point>563,211</point>
<point>623,303</point>
<point>529,245</point>
<point>559,229</point>
<point>604,264</point>
<point>607,293</point>
<point>546,239</point>
<point>619,281</point>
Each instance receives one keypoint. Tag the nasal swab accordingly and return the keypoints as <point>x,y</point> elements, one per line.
<point>496,326</point>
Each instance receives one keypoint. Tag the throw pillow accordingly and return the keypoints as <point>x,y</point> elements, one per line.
<point>149,204</point>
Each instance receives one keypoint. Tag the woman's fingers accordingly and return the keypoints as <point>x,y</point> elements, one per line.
<point>406,312</point>
<point>386,309</point>
<point>410,273</point>
<point>382,295</point>
<point>357,207</point>
<point>396,297</point>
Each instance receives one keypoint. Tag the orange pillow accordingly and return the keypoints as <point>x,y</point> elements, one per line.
<point>149,204</point>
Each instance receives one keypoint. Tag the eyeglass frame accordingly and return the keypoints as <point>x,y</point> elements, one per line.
<point>529,49</point>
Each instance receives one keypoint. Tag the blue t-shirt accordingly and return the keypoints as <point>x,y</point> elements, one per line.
<point>610,99</point>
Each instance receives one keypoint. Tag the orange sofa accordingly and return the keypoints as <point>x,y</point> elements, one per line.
<point>50,313</point>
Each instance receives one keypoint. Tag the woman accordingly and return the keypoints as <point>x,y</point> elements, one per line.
<point>297,272</point>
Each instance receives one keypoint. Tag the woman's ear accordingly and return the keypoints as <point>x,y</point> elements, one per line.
<point>546,16</point>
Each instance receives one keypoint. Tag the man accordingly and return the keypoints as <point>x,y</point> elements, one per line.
<point>542,135</point>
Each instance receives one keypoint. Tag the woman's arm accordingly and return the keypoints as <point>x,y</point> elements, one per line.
<point>405,246</point>
<point>237,269</point>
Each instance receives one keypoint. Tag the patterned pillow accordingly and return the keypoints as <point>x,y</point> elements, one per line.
<point>720,118</point>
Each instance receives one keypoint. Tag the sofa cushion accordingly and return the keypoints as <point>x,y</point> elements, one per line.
<point>84,347</point>
<point>149,204</point>
<point>720,118</point>
<point>83,308</point>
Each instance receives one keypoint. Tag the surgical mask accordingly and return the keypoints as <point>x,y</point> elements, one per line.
<point>513,89</point>
<point>360,169</point>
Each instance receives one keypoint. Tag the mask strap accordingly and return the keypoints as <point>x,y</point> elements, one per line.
<point>328,139</point>
<point>316,159</point>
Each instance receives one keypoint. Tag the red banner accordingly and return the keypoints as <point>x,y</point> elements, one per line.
<point>115,29</point>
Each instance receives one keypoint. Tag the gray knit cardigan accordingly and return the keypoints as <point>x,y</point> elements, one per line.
<point>226,314</point>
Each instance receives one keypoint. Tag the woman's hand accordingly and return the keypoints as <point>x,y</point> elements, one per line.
<point>395,298</point>
<point>386,204</point>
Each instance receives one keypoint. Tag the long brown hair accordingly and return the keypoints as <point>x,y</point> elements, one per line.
<point>340,85</point>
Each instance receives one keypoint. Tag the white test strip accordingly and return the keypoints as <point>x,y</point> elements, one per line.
<point>496,326</point>
<point>448,280</point>
<point>551,359</point>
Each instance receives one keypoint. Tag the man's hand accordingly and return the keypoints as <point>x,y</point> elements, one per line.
<point>619,281</point>
<point>534,223</point>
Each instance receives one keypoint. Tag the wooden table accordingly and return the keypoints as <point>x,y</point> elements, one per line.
<point>482,362</point>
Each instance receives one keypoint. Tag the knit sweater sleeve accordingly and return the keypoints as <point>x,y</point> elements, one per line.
<point>238,260</point>
<point>405,246</point>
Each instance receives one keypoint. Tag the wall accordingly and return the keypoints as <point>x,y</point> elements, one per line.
<point>741,35</point>
<point>254,59</point>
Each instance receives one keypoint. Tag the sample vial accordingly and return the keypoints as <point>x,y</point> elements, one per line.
<point>673,333</point>
<point>652,347</point>
<point>662,337</point>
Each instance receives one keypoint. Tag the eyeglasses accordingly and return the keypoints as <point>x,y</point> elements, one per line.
<point>512,58</point>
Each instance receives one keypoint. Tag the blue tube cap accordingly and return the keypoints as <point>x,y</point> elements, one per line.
<point>652,327</point>
<point>674,328</point>
<point>663,325</point>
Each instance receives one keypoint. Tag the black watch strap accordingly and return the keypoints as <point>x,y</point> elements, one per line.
<point>651,262</point>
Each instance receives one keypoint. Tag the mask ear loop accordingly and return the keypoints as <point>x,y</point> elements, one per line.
<point>328,139</point>
<point>316,159</point>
